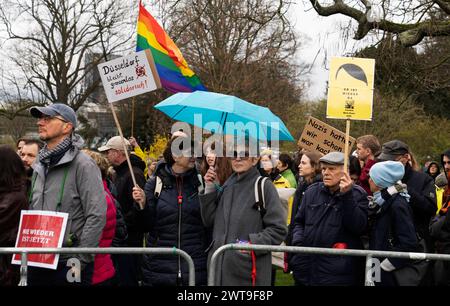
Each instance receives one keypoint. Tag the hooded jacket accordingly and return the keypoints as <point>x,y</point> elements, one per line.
<point>83,197</point>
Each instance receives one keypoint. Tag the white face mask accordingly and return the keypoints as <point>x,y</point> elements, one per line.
<point>266,164</point>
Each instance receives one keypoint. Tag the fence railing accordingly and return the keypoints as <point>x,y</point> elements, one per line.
<point>25,251</point>
<point>369,254</point>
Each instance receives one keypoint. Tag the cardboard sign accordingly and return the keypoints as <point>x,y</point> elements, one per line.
<point>129,76</point>
<point>323,138</point>
<point>350,88</point>
<point>41,229</point>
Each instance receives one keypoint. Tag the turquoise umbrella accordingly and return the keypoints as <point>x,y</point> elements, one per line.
<point>234,115</point>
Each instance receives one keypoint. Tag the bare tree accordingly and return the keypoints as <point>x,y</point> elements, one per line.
<point>49,39</point>
<point>411,20</point>
<point>245,48</point>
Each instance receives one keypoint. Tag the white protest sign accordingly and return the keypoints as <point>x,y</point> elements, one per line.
<point>129,76</point>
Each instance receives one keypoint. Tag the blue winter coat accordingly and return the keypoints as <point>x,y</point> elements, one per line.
<point>160,218</point>
<point>324,219</point>
<point>393,229</point>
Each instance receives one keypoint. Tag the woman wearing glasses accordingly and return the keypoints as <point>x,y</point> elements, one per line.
<point>237,218</point>
<point>170,212</point>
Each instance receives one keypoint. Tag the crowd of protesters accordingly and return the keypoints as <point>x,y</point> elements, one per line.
<point>382,201</point>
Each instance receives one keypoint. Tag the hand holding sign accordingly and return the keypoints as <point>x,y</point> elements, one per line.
<point>346,183</point>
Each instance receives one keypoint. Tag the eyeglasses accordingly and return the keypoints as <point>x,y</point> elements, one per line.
<point>47,119</point>
<point>244,155</point>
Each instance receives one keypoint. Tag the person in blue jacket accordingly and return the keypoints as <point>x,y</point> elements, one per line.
<point>172,218</point>
<point>393,228</point>
<point>333,214</point>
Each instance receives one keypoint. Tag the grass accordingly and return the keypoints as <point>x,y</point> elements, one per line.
<point>284,279</point>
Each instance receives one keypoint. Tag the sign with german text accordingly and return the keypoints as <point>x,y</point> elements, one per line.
<point>41,229</point>
<point>350,88</point>
<point>129,76</point>
<point>323,138</point>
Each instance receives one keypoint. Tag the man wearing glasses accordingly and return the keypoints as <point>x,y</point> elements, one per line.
<point>236,218</point>
<point>66,180</point>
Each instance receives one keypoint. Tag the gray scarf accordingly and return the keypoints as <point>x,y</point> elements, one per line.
<point>52,157</point>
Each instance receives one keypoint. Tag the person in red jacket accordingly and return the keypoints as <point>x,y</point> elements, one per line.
<point>104,271</point>
<point>367,147</point>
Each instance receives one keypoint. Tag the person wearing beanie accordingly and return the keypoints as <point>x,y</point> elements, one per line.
<point>393,228</point>
<point>441,184</point>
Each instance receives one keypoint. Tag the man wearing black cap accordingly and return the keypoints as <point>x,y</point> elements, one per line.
<point>333,214</point>
<point>420,188</point>
<point>66,180</point>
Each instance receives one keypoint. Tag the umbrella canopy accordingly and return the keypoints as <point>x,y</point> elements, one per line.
<point>235,116</point>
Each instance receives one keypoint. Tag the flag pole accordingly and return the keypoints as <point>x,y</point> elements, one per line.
<point>125,149</point>
<point>132,116</point>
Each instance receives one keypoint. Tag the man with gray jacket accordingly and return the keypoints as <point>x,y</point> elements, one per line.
<point>66,180</point>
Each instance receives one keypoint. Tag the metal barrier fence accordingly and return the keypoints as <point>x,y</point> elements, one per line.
<point>25,251</point>
<point>369,254</point>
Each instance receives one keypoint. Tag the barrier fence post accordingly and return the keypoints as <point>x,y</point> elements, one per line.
<point>368,276</point>
<point>23,269</point>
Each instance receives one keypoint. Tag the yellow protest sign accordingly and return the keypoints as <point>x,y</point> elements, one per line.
<point>350,88</point>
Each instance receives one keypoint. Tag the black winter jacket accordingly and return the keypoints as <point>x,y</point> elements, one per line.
<point>423,201</point>
<point>124,187</point>
<point>160,218</point>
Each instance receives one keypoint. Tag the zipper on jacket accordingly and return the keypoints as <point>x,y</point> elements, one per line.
<point>179,181</point>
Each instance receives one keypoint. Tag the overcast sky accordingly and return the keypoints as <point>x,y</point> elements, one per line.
<point>320,35</point>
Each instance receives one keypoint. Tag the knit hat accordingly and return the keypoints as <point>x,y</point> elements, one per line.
<point>386,174</point>
<point>441,180</point>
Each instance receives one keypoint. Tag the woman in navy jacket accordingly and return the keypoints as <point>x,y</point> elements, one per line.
<point>173,219</point>
<point>393,228</point>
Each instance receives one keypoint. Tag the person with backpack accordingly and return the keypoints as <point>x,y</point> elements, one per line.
<point>169,211</point>
<point>239,215</point>
<point>332,214</point>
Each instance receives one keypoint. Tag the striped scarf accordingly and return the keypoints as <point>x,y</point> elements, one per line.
<point>52,157</point>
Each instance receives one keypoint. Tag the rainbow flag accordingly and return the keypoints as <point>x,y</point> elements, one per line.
<point>173,70</point>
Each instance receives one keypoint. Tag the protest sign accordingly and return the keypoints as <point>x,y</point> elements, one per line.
<point>323,138</point>
<point>129,76</point>
<point>41,229</point>
<point>350,88</point>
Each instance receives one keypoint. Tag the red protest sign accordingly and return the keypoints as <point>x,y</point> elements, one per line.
<point>41,229</point>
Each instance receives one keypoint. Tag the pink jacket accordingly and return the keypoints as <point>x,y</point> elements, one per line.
<point>103,265</point>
